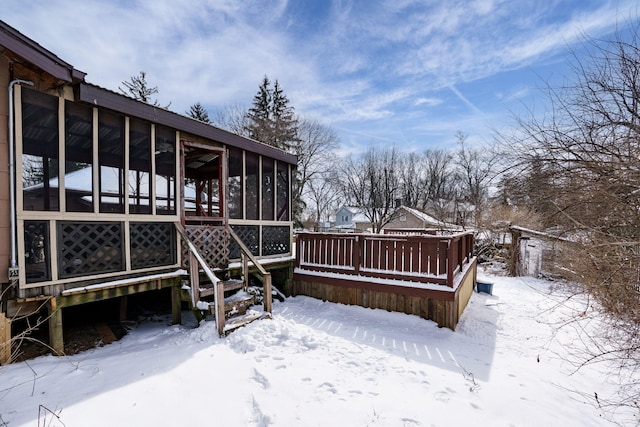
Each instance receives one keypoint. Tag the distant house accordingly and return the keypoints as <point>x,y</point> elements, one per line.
<point>406,218</point>
<point>349,218</point>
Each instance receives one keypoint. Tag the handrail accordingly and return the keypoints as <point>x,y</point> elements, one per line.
<point>198,256</point>
<point>247,252</point>
<point>266,280</point>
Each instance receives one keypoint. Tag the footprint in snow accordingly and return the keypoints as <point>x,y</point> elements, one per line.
<point>260,379</point>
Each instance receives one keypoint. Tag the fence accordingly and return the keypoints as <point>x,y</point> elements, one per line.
<point>416,258</point>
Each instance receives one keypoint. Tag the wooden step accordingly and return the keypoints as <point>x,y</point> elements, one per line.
<point>207,289</point>
<point>238,303</point>
<point>239,321</point>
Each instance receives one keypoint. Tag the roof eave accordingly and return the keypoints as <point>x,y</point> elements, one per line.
<point>32,52</point>
<point>101,97</point>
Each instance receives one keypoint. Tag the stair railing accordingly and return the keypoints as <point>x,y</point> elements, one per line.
<point>265,275</point>
<point>196,259</point>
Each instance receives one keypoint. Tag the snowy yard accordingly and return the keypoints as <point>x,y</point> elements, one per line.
<point>323,364</point>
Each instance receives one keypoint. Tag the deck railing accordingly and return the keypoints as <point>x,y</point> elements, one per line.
<point>425,259</point>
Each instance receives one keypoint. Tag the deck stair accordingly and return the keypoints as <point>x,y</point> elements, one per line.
<point>228,299</point>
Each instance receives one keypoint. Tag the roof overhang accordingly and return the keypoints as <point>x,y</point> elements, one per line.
<point>105,98</point>
<point>20,46</point>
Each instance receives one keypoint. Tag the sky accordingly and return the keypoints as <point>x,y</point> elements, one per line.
<point>409,73</point>
<point>322,364</point>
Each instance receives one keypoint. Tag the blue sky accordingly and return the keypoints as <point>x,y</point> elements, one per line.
<point>409,73</point>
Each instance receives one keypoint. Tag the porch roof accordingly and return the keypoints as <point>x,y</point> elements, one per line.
<point>98,96</point>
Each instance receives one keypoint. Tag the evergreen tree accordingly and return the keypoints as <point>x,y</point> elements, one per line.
<point>198,112</point>
<point>271,119</point>
<point>285,125</point>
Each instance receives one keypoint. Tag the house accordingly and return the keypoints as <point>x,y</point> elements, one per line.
<point>405,218</point>
<point>349,218</point>
<point>103,196</point>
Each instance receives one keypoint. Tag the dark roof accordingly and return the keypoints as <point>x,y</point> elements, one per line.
<point>105,98</point>
<point>22,46</point>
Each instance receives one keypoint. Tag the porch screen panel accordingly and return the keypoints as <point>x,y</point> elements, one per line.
<point>139,175</point>
<point>249,235</point>
<point>86,248</point>
<point>152,244</point>
<point>276,240</point>
<point>111,161</point>
<point>39,151</point>
<point>282,192</point>
<point>78,180</point>
<point>36,251</point>
<point>235,183</point>
<point>267,189</point>
<point>252,186</point>
<point>165,171</point>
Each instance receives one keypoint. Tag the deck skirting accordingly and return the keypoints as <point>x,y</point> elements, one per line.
<point>440,303</point>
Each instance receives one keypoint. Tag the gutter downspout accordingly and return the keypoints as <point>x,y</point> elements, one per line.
<point>13,268</point>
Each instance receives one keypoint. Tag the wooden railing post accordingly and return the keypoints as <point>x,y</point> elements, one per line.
<point>267,297</point>
<point>357,253</point>
<point>450,262</point>
<point>220,321</point>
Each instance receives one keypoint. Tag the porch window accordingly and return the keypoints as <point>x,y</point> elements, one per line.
<point>235,183</point>
<point>267,189</point>
<point>111,162</point>
<point>165,171</point>
<point>139,166</point>
<point>40,151</point>
<point>252,186</point>
<point>283,192</point>
<point>78,180</point>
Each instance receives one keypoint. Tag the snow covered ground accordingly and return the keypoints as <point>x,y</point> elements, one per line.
<point>324,364</point>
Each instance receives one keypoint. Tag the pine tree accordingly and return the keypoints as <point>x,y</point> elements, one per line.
<point>198,112</point>
<point>259,124</point>
<point>285,125</point>
<point>271,119</point>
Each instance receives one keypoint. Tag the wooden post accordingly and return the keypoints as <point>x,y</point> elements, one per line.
<point>220,307</point>
<point>176,303</point>
<point>123,308</point>
<point>357,253</point>
<point>267,292</point>
<point>194,278</point>
<point>56,337</point>
<point>5,339</point>
<point>245,271</point>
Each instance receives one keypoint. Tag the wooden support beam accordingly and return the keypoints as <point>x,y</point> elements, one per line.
<point>176,303</point>
<point>56,337</point>
<point>5,339</point>
<point>124,300</point>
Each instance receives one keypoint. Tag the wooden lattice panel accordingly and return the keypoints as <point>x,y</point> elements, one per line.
<point>89,247</point>
<point>249,234</point>
<point>276,240</point>
<point>152,244</point>
<point>211,241</point>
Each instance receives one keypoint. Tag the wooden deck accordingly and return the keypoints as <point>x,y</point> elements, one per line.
<point>430,276</point>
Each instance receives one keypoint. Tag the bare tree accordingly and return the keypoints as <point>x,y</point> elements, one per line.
<point>582,159</point>
<point>324,194</point>
<point>475,168</point>
<point>314,148</point>
<point>233,118</point>
<point>138,88</point>
<point>370,182</point>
